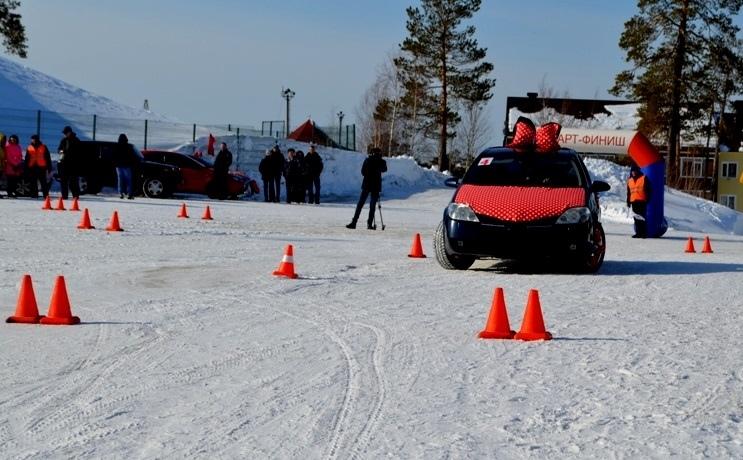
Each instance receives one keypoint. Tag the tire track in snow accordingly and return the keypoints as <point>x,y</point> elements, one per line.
<point>365,436</point>
<point>705,403</point>
<point>65,412</point>
<point>350,378</point>
<point>42,391</point>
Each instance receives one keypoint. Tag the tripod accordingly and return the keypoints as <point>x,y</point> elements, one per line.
<point>381,219</point>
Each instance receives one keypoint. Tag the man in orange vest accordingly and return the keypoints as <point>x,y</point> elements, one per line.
<point>638,194</point>
<point>38,166</point>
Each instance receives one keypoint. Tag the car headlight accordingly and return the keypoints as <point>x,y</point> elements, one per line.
<point>459,211</point>
<point>574,216</point>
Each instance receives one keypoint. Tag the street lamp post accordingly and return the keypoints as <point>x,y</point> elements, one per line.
<point>340,125</point>
<point>287,94</point>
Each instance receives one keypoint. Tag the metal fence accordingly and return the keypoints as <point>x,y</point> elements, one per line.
<point>142,133</point>
<point>344,136</point>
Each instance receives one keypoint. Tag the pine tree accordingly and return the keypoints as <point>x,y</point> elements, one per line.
<point>672,46</point>
<point>441,61</point>
<point>11,28</point>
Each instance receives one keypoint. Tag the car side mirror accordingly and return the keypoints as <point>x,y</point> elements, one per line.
<point>600,186</point>
<point>452,182</point>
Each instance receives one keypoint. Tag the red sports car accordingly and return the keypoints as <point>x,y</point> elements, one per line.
<point>197,174</point>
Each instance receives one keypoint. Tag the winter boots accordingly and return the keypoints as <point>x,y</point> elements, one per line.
<point>352,226</point>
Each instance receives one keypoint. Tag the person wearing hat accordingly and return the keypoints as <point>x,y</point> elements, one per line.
<point>277,169</point>
<point>69,163</point>
<point>313,165</point>
<point>38,166</point>
<point>638,194</point>
<point>266,169</point>
<point>372,169</point>
<point>13,164</point>
<point>125,160</point>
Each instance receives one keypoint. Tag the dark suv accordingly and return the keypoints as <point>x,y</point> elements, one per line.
<point>514,204</point>
<point>154,180</point>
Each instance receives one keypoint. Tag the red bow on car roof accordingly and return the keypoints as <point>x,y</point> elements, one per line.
<point>542,139</point>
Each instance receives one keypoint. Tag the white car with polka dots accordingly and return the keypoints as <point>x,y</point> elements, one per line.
<point>524,204</point>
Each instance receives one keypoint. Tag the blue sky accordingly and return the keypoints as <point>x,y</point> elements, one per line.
<point>227,60</point>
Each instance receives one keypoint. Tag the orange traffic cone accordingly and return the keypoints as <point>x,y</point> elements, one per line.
<point>416,250</point>
<point>690,245</point>
<point>532,327</point>
<point>286,267</point>
<point>60,205</point>
<point>85,221</point>
<point>47,204</point>
<point>183,214</point>
<point>497,326</point>
<point>707,247</point>
<point>207,214</point>
<point>114,226</point>
<point>60,312</point>
<point>75,205</point>
<point>26,310</point>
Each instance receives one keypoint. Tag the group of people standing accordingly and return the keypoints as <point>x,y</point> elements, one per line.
<point>301,175</point>
<point>36,164</point>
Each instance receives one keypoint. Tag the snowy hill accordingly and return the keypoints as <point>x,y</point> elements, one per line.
<point>24,88</point>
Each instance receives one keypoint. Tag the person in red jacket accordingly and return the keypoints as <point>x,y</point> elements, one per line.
<point>13,164</point>
<point>38,166</point>
<point>638,194</point>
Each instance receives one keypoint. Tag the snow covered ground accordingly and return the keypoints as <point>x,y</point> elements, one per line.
<point>189,347</point>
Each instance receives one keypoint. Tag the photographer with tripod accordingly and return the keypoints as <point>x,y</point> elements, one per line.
<point>372,169</point>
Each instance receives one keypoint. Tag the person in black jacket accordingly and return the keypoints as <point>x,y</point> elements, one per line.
<point>69,165</point>
<point>222,164</point>
<point>125,161</point>
<point>294,176</point>
<point>372,169</point>
<point>278,166</point>
<point>266,169</point>
<point>313,165</point>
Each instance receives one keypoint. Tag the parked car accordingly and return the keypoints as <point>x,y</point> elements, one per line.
<point>198,173</point>
<point>521,204</point>
<point>154,180</point>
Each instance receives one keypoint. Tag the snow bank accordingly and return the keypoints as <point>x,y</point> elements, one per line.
<point>341,177</point>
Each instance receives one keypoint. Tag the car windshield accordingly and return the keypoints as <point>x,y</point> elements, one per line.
<point>519,169</point>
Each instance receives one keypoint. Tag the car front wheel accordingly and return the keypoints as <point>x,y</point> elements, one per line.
<point>154,188</point>
<point>446,260</point>
<point>591,260</point>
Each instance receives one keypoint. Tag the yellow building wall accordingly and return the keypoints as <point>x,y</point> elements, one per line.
<point>731,185</point>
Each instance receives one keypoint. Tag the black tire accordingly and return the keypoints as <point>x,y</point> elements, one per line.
<point>24,187</point>
<point>591,261</point>
<point>89,186</point>
<point>448,261</point>
<point>154,187</point>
